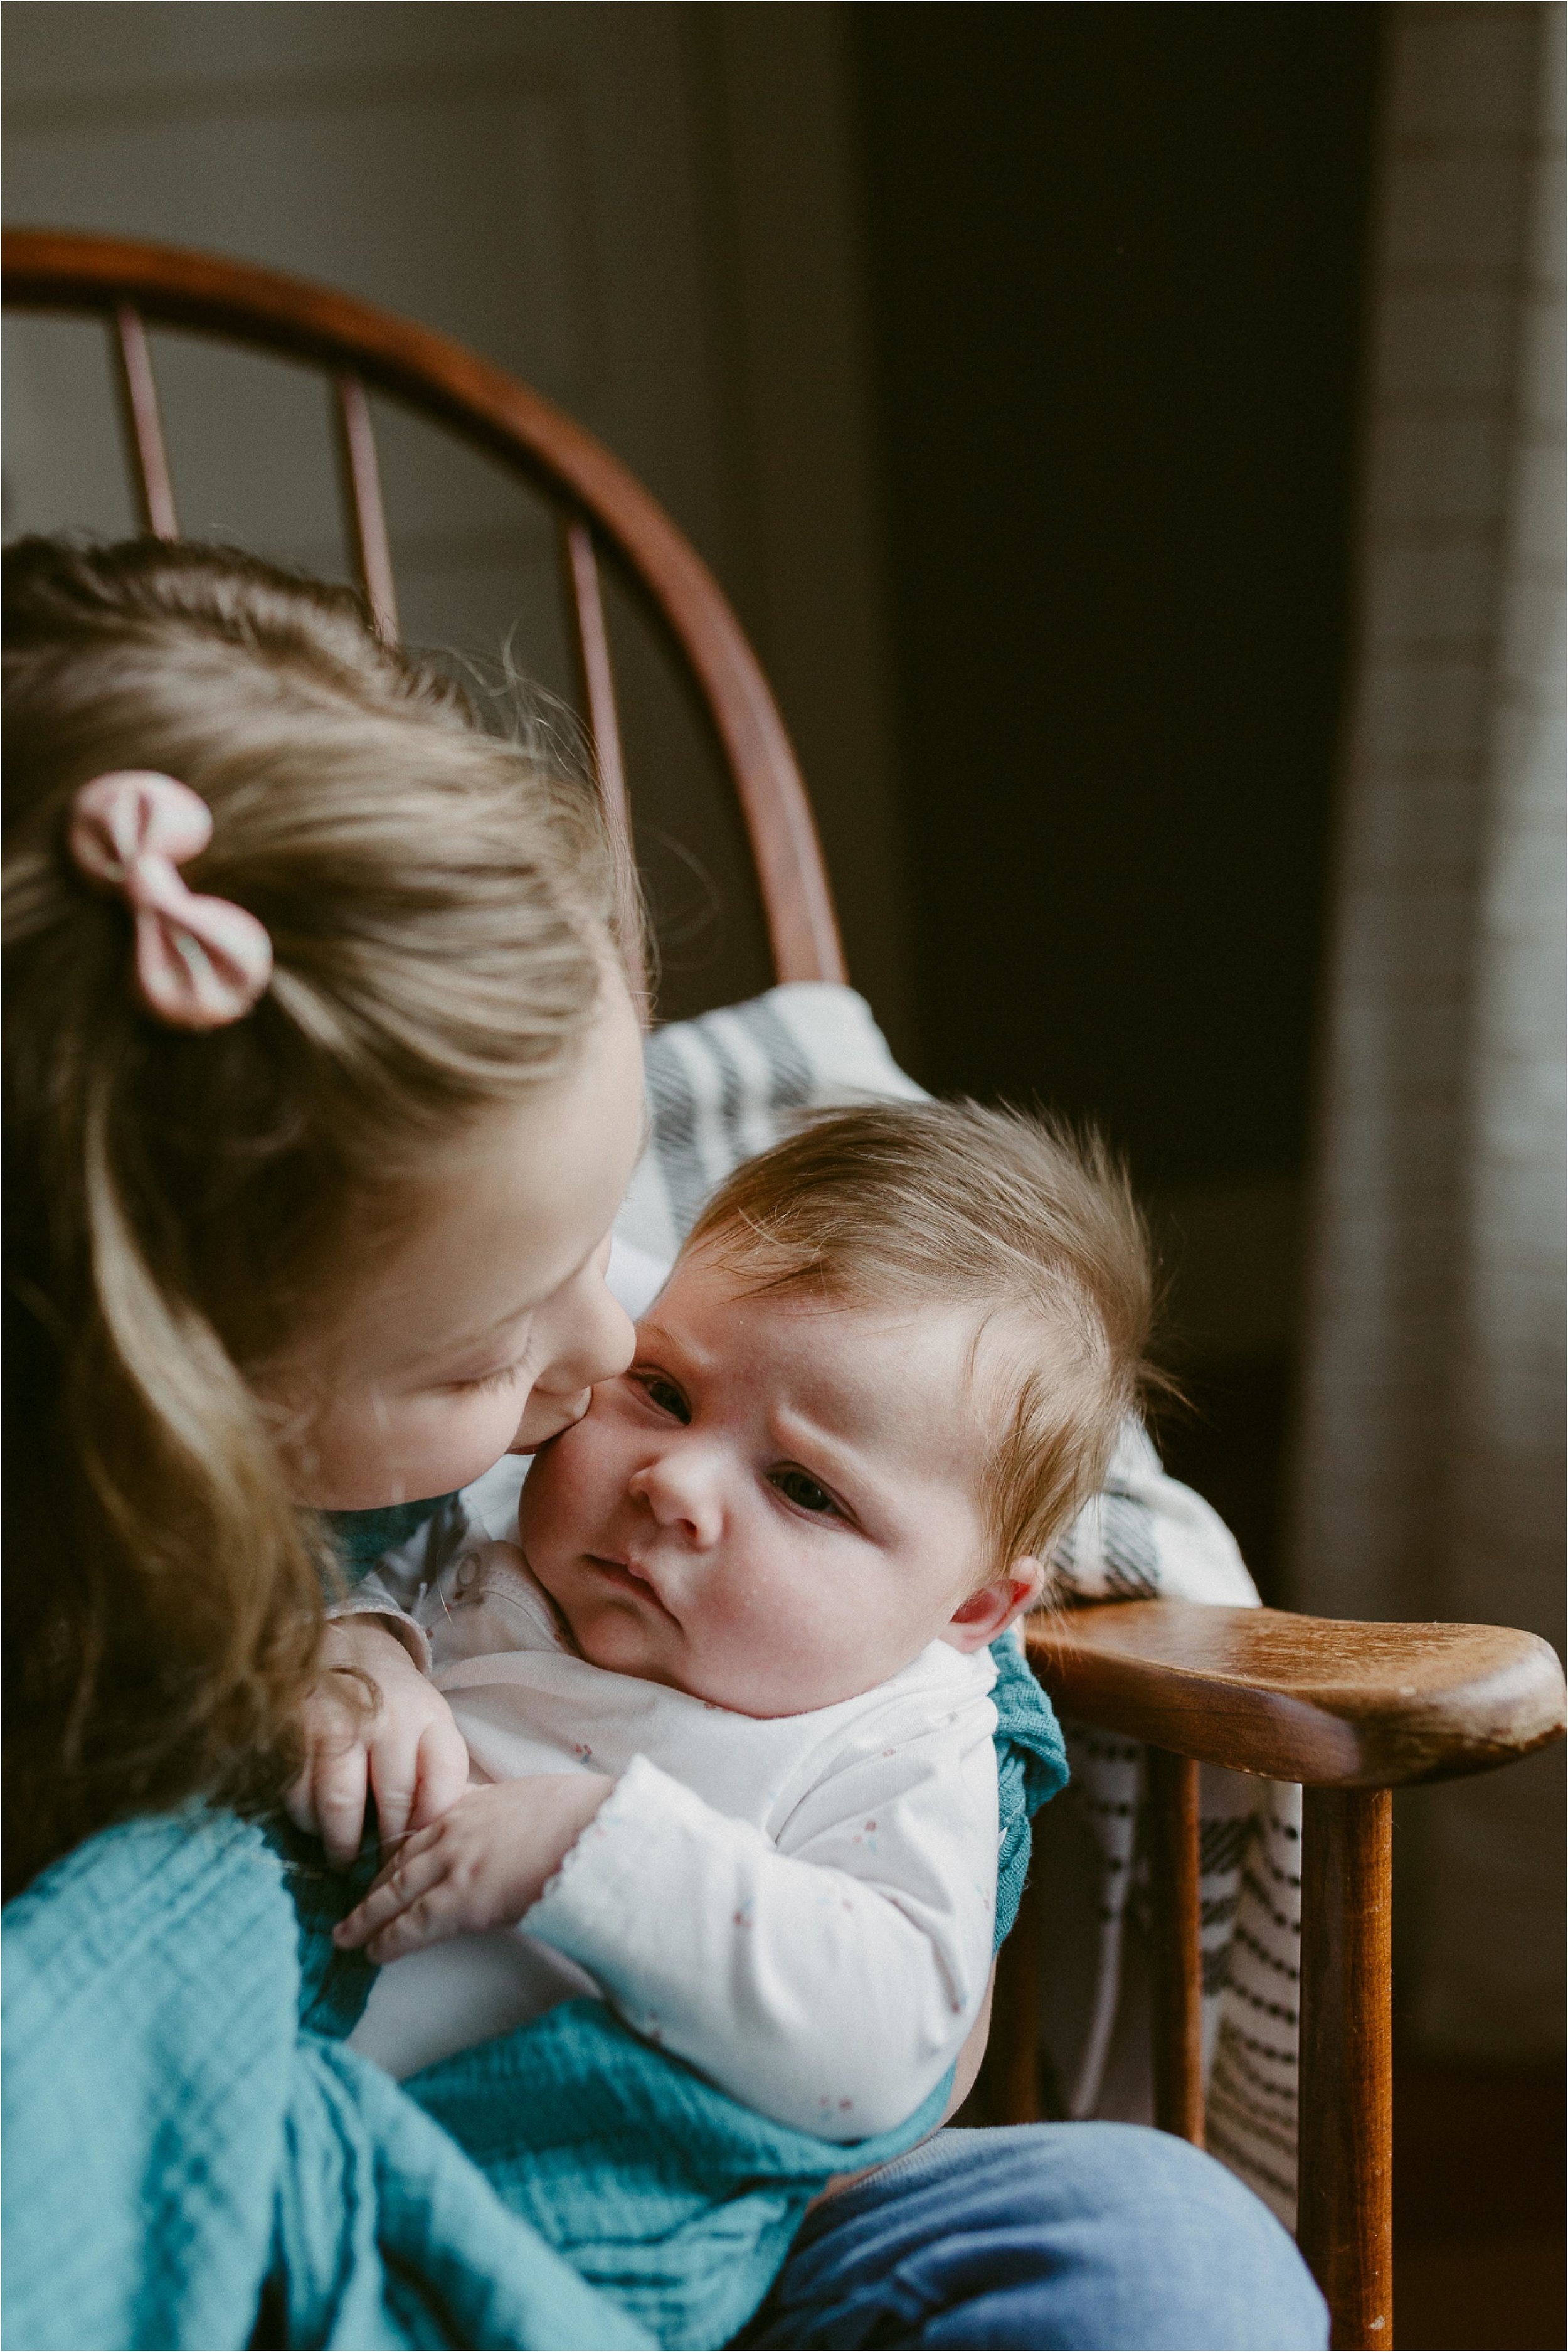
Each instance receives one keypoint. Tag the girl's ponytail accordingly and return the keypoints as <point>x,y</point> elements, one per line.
<point>162,1596</point>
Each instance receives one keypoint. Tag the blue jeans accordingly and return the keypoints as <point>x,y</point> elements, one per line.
<point>1097,2236</point>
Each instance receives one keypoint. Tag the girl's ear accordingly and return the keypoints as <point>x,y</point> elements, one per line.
<point>976,1621</point>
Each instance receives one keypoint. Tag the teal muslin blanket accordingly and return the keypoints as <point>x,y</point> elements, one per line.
<point>175,2144</point>
<point>186,2142</point>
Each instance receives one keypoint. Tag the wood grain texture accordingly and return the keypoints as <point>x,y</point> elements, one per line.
<point>48,269</point>
<point>1345,2196</point>
<point>596,690</point>
<point>1314,1699</point>
<point>363,510</point>
<point>143,425</point>
<point>1176,1987</point>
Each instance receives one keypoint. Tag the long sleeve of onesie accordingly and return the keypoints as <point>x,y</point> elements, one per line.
<point>829,1979</point>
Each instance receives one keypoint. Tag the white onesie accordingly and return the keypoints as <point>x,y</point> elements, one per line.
<point>802,1907</point>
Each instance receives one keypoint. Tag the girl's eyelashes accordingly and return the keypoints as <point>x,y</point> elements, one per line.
<point>798,1487</point>
<point>506,1378</point>
<point>663,1393</point>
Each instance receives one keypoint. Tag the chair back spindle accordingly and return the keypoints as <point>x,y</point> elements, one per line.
<point>602,509</point>
<point>363,511</point>
<point>596,690</point>
<point>144,443</point>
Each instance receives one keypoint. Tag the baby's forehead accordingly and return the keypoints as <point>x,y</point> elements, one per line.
<point>891,1363</point>
<point>816,1308</point>
<point>974,1325</point>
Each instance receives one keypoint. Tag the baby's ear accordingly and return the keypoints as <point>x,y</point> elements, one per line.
<point>976,1621</point>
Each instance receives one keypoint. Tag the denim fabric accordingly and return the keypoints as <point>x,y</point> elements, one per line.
<point>1099,2236</point>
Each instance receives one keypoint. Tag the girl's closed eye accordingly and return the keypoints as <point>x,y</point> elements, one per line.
<point>506,1377</point>
<point>805,1493</point>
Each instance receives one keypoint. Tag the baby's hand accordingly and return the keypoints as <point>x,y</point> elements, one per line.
<point>482,1865</point>
<point>406,1749</point>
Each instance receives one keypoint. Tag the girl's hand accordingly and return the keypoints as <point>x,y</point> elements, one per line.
<point>482,1865</point>
<point>397,1740</point>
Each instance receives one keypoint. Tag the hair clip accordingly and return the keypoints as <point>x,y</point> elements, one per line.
<point>200,962</point>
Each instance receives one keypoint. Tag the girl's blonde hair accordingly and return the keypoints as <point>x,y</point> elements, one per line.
<point>439,903</point>
<point>950,1203</point>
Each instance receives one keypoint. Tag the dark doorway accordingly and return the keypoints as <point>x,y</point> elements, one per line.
<point>1116,256</point>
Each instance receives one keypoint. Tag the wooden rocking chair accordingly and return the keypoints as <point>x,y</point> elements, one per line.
<point>1351,1711</point>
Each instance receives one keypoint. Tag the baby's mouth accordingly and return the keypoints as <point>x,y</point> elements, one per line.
<point>627,1577</point>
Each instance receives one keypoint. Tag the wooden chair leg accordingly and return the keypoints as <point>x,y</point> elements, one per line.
<point>1178,1954</point>
<point>1346,2221</point>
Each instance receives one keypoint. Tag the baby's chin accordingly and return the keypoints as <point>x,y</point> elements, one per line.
<point>804,1684</point>
<point>781,1695</point>
<point>605,1639</point>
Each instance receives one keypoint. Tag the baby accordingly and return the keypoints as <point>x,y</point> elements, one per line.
<point>726,1700</point>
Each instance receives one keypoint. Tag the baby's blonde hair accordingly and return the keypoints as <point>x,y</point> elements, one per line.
<point>439,905</point>
<point>950,1203</point>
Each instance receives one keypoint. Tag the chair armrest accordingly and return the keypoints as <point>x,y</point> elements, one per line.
<point>1315,1699</point>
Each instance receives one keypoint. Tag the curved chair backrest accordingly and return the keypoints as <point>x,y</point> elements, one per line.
<point>596,501</point>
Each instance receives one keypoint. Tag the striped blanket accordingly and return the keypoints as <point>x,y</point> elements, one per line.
<point>728,1085</point>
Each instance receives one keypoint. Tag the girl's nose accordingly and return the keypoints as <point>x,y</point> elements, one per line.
<point>682,1491</point>
<point>581,1336</point>
<point>590,1338</point>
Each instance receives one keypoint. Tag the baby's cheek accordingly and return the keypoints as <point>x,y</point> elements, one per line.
<point>535,1504</point>
<point>777,1627</point>
<point>557,1489</point>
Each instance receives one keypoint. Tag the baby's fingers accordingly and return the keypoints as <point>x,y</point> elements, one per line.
<point>431,1919</point>
<point>402,1920</point>
<point>405,1880</point>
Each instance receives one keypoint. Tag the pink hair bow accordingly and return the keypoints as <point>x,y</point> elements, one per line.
<point>200,962</point>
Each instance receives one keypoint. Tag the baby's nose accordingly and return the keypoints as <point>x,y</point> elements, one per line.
<point>682,1494</point>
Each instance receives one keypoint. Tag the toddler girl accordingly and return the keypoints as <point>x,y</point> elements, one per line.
<point>322,1086</point>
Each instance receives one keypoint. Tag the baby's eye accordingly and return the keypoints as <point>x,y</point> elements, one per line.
<point>797,1487</point>
<point>663,1394</point>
